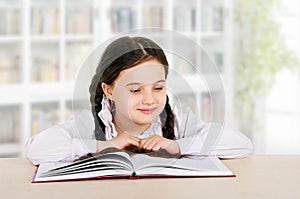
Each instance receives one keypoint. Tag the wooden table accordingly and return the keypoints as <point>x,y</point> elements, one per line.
<point>259,176</point>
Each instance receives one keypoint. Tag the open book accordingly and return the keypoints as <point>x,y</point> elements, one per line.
<point>121,164</point>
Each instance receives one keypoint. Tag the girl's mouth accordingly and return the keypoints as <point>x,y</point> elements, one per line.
<point>146,110</point>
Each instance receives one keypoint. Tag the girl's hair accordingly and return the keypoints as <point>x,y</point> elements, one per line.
<point>121,54</point>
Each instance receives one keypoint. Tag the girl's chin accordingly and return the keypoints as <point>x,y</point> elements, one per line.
<point>145,122</point>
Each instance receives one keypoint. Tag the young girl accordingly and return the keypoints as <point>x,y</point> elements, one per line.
<point>130,108</point>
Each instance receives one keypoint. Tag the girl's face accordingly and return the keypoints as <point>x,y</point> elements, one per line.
<point>139,93</point>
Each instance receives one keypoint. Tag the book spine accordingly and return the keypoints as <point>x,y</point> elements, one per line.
<point>134,176</point>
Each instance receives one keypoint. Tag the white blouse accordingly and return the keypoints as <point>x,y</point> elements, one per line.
<point>75,138</point>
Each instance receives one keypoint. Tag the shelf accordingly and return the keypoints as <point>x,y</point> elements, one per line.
<point>45,38</point>
<point>79,37</point>
<point>15,94</point>
<point>45,43</point>
<point>10,39</point>
<point>46,90</point>
<point>10,4</point>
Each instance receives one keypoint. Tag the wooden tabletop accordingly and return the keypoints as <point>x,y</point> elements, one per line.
<point>259,176</point>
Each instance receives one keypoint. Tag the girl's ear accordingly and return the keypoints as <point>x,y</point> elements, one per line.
<point>107,89</point>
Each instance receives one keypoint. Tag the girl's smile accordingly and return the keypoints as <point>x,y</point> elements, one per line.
<point>147,110</point>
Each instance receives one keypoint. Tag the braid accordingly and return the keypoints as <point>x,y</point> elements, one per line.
<point>96,95</point>
<point>168,128</point>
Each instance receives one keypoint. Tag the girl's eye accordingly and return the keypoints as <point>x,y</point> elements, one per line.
<point>135,90</point>
<point>159,88</point>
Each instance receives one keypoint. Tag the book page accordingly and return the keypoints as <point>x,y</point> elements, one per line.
<point>206,166</point>
<point>39,177</point>
<point>115,163</point>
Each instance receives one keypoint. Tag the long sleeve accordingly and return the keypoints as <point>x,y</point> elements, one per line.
<point>196,137</point>
<point>64,142</point>
<point>75,138</point>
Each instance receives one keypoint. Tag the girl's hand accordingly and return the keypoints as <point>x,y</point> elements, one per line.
<point>157,142</point>
<point>122,141</point>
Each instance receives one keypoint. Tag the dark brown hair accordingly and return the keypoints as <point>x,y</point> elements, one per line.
<point>121,54</point>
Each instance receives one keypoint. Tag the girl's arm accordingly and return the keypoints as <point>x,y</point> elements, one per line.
<point>64,142</point>
<point>196,137</point>
<point>72,140</point>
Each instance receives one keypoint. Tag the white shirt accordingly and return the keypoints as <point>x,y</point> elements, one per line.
<point>75,138</point>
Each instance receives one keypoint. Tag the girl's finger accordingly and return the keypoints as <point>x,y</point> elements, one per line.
<point>150,143</point>
<point>133,140</point>
<point>158,146</point>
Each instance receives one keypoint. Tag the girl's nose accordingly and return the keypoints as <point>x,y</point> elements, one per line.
<point>148,98</point>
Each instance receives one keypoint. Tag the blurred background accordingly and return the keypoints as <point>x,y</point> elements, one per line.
<point>254,44</point>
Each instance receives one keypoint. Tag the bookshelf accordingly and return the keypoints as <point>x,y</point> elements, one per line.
<point>43,44</point>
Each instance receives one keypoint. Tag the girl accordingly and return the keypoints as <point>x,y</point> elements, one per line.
<point>130,108</point>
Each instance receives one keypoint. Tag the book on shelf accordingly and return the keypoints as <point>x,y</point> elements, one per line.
<point>76,53</point>
<point>79,20</point>
<point>219,60</point>
<point>187,101</point>
<point>10,21</point>
<point>45,20</point>
<point>184,65</point>
<point>212,60</point>
<point>212,18</point>
<point>211,106</point>
<point>122,19</point>
<point>74,107</point>
<point>45,68</point>
<point>153,16</point>
<point>217,18</point>
<point>43,116</point>
<point>114,163</point>
<point>10,69</point>
<point>184,18</point>
<point>9,124</point>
